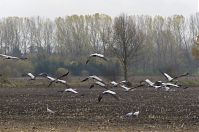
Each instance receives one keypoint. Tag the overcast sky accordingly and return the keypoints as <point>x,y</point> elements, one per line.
<point>56,8</point>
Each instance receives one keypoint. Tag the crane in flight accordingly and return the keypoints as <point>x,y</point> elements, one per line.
<point>96,55</point>
<point>107,92</point>
<point>30,75</point>
<point>170,79</point>
<point>12,57</point>
<point>56,80</point>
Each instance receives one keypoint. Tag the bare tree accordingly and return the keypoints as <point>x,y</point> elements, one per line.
<point>127,40</point>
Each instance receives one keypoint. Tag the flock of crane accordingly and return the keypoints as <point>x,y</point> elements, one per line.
<point>166,85</point>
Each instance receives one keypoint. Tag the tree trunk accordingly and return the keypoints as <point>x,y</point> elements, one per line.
<point>125,70</point>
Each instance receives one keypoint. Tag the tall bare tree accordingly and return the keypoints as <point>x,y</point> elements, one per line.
<point>127,40</point>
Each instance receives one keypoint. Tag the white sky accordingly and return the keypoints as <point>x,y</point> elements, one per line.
<point>56,8</point>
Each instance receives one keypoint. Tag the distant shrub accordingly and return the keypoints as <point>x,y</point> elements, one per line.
<point>24,67</point>
<point>15,68</point>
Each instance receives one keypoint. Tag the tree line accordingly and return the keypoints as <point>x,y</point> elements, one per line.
<point>136,44</point>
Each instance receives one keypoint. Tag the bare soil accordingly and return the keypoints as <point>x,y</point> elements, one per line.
<point>24,109</point>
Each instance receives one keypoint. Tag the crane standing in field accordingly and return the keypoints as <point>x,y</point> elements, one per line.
<point>132,114</point>
<point>49,110</point>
